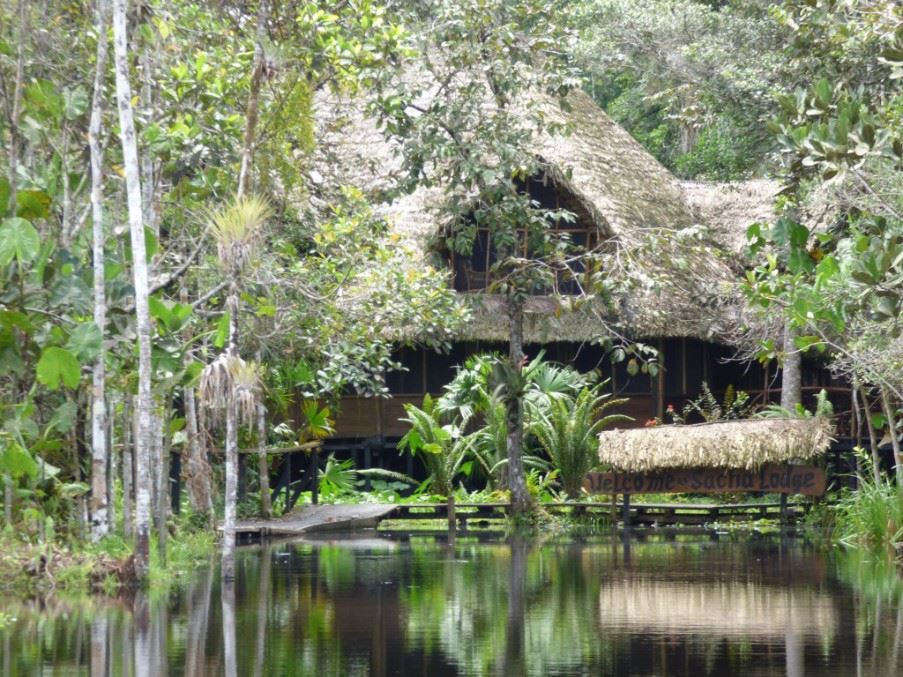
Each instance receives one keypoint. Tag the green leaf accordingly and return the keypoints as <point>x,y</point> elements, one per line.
<point>222,330</point>
<point>63,417</point>
<point>151,245</point>
<point>85,342</point>
<point>18,240</point>
<point>58,365</point>
<point>32,204</point>
<point>878,421</point>
<point>42,96</point>
<point>18,462</point>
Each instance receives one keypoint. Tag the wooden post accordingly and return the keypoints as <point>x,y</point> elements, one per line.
<point>175,476</point>
<point>314,479</point>
<point>368,463</point>
<point>242,478</point>
<point>783,510</point>
<point>451,514</point>
<point>625,511</point>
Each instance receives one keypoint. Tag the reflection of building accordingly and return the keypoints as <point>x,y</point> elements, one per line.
<point>728,608</point>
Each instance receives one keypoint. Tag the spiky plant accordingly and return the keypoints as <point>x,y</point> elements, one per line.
<point>230,380</point>
<point>568,431</point>
<point>237,227</point>
<point>442,448</point>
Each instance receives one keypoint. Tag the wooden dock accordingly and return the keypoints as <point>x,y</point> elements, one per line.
<point>344,517</point>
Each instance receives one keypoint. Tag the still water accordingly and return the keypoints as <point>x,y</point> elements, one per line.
<point>679,605</point>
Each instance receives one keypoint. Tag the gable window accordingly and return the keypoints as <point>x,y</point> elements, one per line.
<point>474,273</point>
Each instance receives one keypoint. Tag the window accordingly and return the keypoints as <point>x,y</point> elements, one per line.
<point>474,273</point>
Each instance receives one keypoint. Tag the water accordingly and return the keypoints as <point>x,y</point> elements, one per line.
<point>679,606</point>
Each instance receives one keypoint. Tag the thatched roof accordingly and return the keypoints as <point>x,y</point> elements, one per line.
<point>728,209</point>
<point>597,165</point>
<point>742,444</point>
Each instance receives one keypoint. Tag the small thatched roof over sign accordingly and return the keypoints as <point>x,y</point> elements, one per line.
<point>742,444</point>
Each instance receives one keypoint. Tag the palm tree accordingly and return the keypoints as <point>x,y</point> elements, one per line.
<point>568,431</point>
<point>442,448</point>
<point>229,383</point>
<point>231,386</point>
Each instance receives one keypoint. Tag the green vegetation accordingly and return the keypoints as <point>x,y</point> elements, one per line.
<point>256,281</point>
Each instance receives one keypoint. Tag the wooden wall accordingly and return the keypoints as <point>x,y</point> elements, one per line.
<point>686,364</point>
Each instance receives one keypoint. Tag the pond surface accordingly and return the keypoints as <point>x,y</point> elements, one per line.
<point>679,605</point>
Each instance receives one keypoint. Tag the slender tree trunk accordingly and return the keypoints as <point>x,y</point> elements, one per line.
<point>873,437</point>
<point>100,499</point>
<point>251,111</point>
<point>791,372</point>
<point>16,112</point>
<point>139,270</point>
<point>148,183</point>
<point>129,430</point>
<point>263,469</point>
<point>514,410</point>
<point>163,449</point>
<point>891,415</point>
<point>197,469</point>
<point>231,497</point>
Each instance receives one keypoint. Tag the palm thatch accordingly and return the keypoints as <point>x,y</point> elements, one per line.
<point>742,444</point>
<point>681,284</point>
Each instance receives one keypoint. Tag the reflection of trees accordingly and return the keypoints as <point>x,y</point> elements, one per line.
<point>517,609</point>
<point>507,610</point>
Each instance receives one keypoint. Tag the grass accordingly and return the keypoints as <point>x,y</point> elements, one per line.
<point>871,516</point>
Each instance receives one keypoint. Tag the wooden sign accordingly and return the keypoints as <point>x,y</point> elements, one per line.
<point>772,478</point>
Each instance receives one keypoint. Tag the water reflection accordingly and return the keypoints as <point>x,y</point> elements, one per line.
<point>420,606</point>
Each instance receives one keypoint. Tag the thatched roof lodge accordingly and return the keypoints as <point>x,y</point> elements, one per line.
<point>682,298</point>
<point>744,444</point>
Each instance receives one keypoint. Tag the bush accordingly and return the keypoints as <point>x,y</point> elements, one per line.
<point>872,515</point>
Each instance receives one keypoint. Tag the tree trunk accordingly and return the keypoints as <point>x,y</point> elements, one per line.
<point>199,493</point>
<point>873,437</point>
<point>251,111</point>
<point>514,410</point>
<point>139,271</point>
<point>129,430</point>
<point>197,468</point>
<point>891,416</point>
<point>791,372</point>
<point>263,469</point>
<point>163,448</point>
<point>231,492</point>
<point>100,519</point>
<point>15,114</point>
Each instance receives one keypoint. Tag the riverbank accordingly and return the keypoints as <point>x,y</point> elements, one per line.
<point>29,569</point>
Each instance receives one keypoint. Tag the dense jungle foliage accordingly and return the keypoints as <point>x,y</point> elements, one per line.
<point>179,271</point>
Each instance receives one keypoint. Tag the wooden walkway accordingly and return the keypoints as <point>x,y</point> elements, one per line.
<point>339,517</point>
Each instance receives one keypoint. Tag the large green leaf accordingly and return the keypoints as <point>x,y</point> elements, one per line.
<point>32,204</point>
<point>85,341</point>
<point>17,462</point>
<point>18,240</point>
<point>58,365</point>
